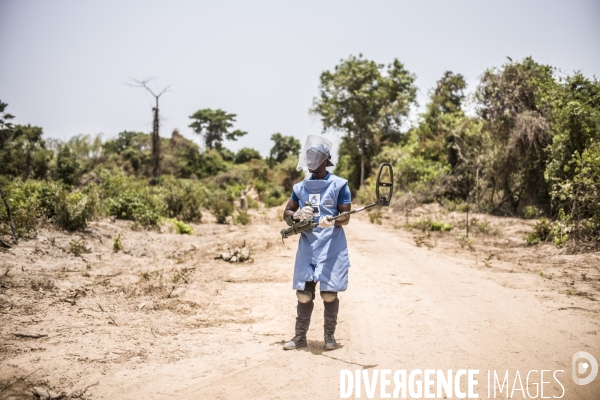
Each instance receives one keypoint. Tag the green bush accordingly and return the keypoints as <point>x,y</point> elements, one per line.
<point>24,205</point>
<point>136,206</point>
<point>182,201</point>
<point>180,227</point>
<point>242,217</point>
<point>532,239</point>
<point>246,154</point>
<point>117,243</point>
<point>561,228</point>
<point>252,203</point>
<point>531,212</point>
<point>74,210</point>
<point>67,167</point>
<point>221,206</point>
<point>542,231</point>
<point>427,224</point>
<point>77,247</point>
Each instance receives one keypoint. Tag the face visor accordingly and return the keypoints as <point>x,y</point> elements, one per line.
<point>315,151</point>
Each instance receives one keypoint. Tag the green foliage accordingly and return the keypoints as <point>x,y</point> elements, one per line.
<point>531,212</point>
<point>428,224</point>
<point>211,163</point>
<point>366,105</point>
<point>117,243</point>
<point>182,199</point>
<point>6,126</point>
<point>220,206</point>
<point>72,211</point>
<point>180,227</point>
<point>25,207</point>
<point>288,174</point>
<point>542,231</point>
<point>67,167</point>
<point>23,153</point>
<point>241,217</point>
<point>135,205</point>
<point>284,147</point>
<point>214,126</point>
<point>77,247</point>
<point>246,154</point>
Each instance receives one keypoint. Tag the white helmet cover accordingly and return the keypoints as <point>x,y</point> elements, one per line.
<point>316,149</point>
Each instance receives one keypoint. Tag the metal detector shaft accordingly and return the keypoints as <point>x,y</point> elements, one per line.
<point>383,191</point>
<point>346,213</point>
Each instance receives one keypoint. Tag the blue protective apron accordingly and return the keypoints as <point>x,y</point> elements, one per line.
<point>322,254</point>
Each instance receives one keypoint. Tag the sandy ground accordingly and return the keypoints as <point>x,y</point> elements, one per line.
<point>163,319</point>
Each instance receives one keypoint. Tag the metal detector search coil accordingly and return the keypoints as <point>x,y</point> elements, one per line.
<point>383,192</point>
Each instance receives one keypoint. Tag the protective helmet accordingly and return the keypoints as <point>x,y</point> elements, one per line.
<point>314,152</point>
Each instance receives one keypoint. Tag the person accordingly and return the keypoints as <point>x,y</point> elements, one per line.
<point>322,254</point>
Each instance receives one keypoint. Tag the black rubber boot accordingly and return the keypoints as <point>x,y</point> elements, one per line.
<point>303,319</point>
<point>330,316</point>
<point>297,342</point>
<point>330,342</point>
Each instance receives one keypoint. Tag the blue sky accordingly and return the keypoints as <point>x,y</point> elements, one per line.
<point>64,64</point>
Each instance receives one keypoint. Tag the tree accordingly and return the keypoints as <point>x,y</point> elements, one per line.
<point>24,153</point>
<point>284,146</point>
<point>67,167</point>
<point>513,104</point>
<point>434,131</point>
<point>246,154</point>
<point>369,107</point>
<point>155,126</point>
<point>214,126</point>
<point>5,131</point>
<point>5,126</point>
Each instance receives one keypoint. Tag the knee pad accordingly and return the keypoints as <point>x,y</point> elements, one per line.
<point>328,297</point>
<point>304,296</point>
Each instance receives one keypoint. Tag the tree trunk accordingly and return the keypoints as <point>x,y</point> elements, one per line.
<point>15,239</point>
<point>362,162</point>
<point>155,145</point>
<point>362,169</point>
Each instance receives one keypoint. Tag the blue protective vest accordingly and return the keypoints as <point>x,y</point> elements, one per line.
<point>322,254</point>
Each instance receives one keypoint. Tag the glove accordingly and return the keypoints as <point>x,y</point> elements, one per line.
<point>325,223</point>
<point>305,212</point>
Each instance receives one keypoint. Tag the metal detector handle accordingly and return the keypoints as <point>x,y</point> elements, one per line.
<point>305,225</point>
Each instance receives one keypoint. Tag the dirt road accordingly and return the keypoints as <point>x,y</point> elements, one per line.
<point>407,307</point>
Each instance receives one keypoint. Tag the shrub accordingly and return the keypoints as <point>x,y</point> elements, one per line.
<point>542,231</point>
<point>242,217</point>
<point>182,201</point>
<point>136,206</point>
<point>74,210</point>
<point>532,238</point>
<point>246,154</point>
<point>117,244</point>
<point>77,247</point>
<point>375,217</point>
<point>531,212</point>
<point>180,227</point>
<point>427,224</point>
<point>221,207</point>
<point>42,284</point>
<point>252,203</point>
<point>67,167</point>
<point>24,205</point>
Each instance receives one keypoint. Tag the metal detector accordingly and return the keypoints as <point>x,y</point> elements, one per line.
<point>383,192</point>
